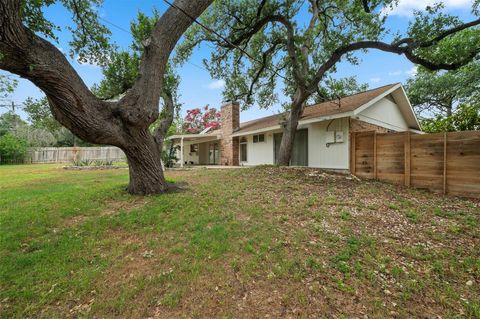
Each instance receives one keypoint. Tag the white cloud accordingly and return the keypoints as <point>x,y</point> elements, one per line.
<point>412,71</point>
<point>216,85</point>
<point>375,80</point>
<point>394,73</point>
<point>406,7</point>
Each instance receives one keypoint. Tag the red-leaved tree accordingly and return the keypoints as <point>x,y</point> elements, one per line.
<point>196,121</point>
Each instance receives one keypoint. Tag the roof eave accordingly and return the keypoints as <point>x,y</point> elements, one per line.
<point>301,122</point>
<point>179,136</point>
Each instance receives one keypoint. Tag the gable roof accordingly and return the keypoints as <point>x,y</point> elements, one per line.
<point>346,104</point>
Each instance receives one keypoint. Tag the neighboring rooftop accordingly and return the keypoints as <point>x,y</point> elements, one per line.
<point>344,104</point>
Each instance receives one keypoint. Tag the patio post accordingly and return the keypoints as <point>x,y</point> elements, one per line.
<point>181,152</point>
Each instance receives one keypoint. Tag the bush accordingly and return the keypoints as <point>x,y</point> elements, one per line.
<point>12,149</point>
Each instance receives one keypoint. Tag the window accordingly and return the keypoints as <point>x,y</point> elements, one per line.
<point>193,148</point>
<point>259,138</point>
<point>243,150</point>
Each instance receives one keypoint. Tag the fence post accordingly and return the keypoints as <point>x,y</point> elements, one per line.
<point>444,163</point>
<point>375,154</point>
<point>407,151</point>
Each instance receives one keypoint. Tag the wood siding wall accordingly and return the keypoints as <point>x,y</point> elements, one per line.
<point>443,162</point>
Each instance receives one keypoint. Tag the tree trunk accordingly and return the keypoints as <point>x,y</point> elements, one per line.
<point>289,130</point>
<point>288,138</point>
<point>145,168</point>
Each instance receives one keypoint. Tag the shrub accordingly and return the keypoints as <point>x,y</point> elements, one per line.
<point>12,149</point>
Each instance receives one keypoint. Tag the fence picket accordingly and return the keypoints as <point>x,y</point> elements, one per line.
<point>68,154</point>
<point>445,162</point>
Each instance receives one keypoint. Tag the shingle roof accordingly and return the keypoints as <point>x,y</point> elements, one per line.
<point>345,104</point>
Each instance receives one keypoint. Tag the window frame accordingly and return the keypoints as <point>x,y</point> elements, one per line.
<point>256,138</point>
<point>193,148</point>
<point>243,142</point>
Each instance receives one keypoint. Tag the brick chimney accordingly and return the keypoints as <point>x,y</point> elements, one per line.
<point>229,146</point>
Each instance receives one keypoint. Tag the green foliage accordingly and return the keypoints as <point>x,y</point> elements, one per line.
<point>94,163</point>
<point>10,122</point>
<point>119,75</point>
<point>36,137</point>
<point>39,114</point>
<point>7,85</point>
<point>438,93</point>
<point>122,70</point>
<point>12,148</point>
<point>332,89</point>
<point>169,157</point>
<point>45,130</point>
<point>90,39</point>
<point>465,118</point>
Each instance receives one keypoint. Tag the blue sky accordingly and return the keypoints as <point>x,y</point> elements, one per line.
<point>197,88</point>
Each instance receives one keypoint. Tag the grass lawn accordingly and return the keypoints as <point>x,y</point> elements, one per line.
<point>240,243</point>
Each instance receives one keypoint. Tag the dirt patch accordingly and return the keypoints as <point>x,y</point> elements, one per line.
<point>114,207</point>
<point>111,208</point>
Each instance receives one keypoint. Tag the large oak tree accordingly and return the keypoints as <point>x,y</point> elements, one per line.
<point>299,43</point>
<point>27,48</point>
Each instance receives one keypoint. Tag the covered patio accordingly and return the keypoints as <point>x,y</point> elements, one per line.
<point>198,149</point>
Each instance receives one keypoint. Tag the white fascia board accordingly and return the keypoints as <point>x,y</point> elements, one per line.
<point>416,131</point>
<point>376,99</point>
<point>325,118</point>
<point>411,108</point>
<point>261,130</point>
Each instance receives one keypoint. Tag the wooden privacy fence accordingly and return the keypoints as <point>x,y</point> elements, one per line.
<point>68,154</point>
<point>442,162</point>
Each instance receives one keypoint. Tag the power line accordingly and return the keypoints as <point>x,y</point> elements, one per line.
<point>116,26</point>
<point>126,31</point>
<point>173,5</point>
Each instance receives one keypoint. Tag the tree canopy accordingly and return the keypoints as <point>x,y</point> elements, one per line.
<point>438,93</point>
<point>465,118</point>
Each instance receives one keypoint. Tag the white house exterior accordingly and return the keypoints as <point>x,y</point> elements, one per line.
<point>323,133</point>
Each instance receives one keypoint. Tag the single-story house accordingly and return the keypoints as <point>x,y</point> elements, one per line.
<point>322,139</point>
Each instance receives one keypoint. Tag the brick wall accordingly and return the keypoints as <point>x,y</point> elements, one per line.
<point>361,126</point>
<point>229,146</point>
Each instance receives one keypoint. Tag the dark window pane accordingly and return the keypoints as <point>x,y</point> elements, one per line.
<point>243,152</point>
<point>261,138</point>
<point>255,139</point>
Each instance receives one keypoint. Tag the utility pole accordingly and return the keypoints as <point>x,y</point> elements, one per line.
<point>14,129</point>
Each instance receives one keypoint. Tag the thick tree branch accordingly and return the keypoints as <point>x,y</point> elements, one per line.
<point>166,122</point>
<point>410,42</point>
<point>290,41</point>
<point>404,47</point>
<point>146,89</point>
<point>72,103</point>
<point>366,7</point>
<point>262,68</point>
<point>33,58</point>
<point>448,32</point>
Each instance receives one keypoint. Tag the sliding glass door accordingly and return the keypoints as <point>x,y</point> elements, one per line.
<point>300,147</point>
<point>213,154</point>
